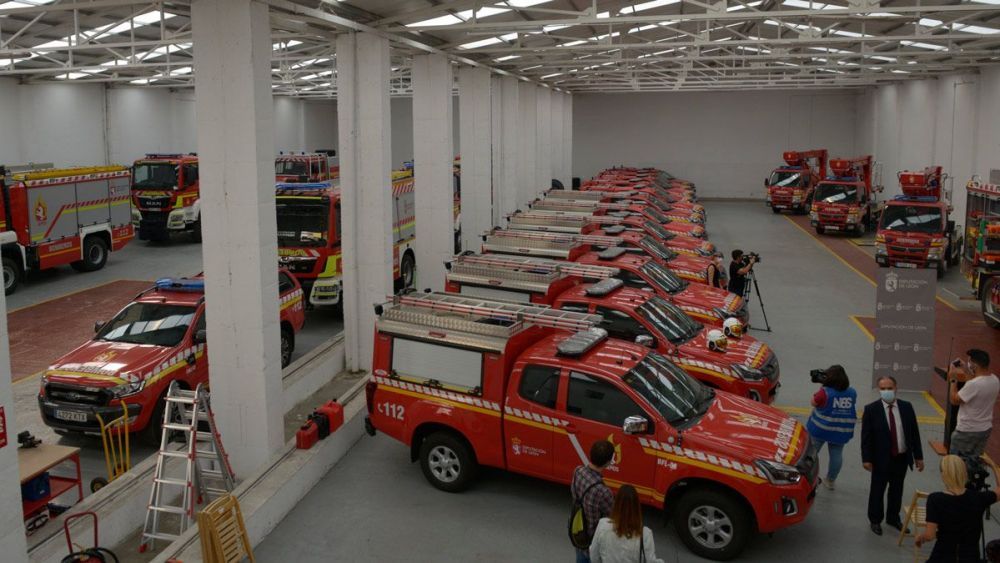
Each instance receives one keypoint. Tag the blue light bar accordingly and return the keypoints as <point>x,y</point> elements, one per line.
<point>304,186</point>
<point>181,284</point>
<point>916,198</point>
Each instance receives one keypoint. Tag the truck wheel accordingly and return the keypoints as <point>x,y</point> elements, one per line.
<point>987,303</point>
<point>942,267</point>
<point>287,346</point>
<point>712,524</point>
<point>820,230</point>
<point>775,210</point>
<point>447,462</point>
<point>196,231</point>
<point>12,275</point>
<point>95,255</point>
<point>407,271</point>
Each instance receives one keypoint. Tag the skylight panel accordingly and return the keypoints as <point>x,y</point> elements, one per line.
<point>743,7</point>
<point>285,44</point>
<point>647,6</point>
<point>447,19</point>
<point>488,41</point>
<point>978,29</point>
<point>805,4</point>
<point>920,45</point>
<point>507,58</point>
<point>25,4</point>
<point>525,3</point>
<point>553,75</point>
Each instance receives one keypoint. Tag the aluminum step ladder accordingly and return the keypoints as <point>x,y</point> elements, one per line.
<point>207,474</point>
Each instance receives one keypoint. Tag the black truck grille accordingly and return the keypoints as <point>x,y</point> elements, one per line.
<point>76,395</point>
<point>770,369</point>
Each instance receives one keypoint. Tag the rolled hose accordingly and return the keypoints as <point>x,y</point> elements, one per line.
<point>94,554</point>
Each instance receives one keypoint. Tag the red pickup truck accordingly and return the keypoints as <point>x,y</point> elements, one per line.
<point>465,382</point>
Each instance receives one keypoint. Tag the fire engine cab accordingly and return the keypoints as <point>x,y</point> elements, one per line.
<point>166,197</point>
<point>915,230</point>
<point>743,365</point>
<point>57,217</point>
<point>466,382</point>
<point>709,305</point>
<point>845,201</point>
<point>133,358</point>
<point>791,186</point>
<point>306,168</point>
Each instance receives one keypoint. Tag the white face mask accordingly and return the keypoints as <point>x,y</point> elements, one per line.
<point>888,395</point>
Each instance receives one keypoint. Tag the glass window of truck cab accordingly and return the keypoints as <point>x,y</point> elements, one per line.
<point>539,385</point>
<point>303,222</point>
<point>597,400</point>
<point>786,178</point>
<point>154,175</point>
<point>912,218</point>
<point>437,364</point>
<point>190,175</point>
<point>157,324</point>
<point>828,192</point>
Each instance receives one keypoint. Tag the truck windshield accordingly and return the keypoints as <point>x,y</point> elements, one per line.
<point>658,230</point>
<point>149,323</point>
<point>673,323</point>
<point>785,178</point>
<point>157,175</point>
<point>836,193</point>
<point>910,218</point>
<point>663,277</point>
<point>677,396</point>
<point>656,249</point>
<point>302,224</point>
<point>291,168</point>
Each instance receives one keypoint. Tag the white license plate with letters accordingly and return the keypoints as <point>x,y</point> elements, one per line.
<point>71,416</point>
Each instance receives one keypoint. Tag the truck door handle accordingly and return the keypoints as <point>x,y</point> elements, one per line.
<point>571,428</point>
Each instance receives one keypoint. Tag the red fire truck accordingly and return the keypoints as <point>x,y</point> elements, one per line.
<point>915,230</point>
<point>309,237</point>
<point>639,208</point>
<point>644,197</point>
<point>744,366</point>
<point>709,305</point>
<point>791,186</point>
<point>981,259</point>
<point>628,219</point>
<point>157,339</point>
<point>661,178</point>
<point>55,217</point>
<point>466,382</point>
<point>846,201</point>
<point>676,196</point>
<point>691,268</point>
<point>306,168</point>
<point>166,197</point>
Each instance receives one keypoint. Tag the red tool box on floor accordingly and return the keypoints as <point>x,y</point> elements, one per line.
<point>322,422</point>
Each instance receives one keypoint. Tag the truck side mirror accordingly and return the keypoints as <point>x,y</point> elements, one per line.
<point>645,340</point>
<point>765,182</point>
<point>97,326</point>
<point>635,425</point>
<point>201,336</point>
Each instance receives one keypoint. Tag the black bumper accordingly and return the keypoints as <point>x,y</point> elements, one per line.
<point>48,409</point>
<point>153,225</point>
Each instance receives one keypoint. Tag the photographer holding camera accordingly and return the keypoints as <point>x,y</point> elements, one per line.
<point>975,400</point>
<point>833,417</point>
<point>739,268</point>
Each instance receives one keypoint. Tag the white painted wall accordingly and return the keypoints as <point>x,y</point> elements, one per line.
<point>62,123</point>
<point>320,125</point>
<point>402,129</point>
<point>289,124</point>
<point>726,142</point>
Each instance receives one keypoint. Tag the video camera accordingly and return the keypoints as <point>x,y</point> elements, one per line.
<point>748,255</point>
<point>818,376</point>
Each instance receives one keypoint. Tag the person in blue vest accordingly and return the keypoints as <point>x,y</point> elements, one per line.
<point>833,418</point>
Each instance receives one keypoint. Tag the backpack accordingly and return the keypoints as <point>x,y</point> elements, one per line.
<point>578,521</point>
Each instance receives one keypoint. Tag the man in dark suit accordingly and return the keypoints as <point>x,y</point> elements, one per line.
<point>890,443</point>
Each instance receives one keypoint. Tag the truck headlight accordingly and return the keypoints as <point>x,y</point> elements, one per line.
<point>779,473</point>
<point>748,373</point>
<point>934,253</point>
<point>880,248</point>
<point>136,216</point>
<point>813,216</point>
<point>176,218</point>
<point>126,389</point>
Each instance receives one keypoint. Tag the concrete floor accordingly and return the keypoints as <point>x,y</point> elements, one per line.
<point>376,505</point>
<point>139,260</point>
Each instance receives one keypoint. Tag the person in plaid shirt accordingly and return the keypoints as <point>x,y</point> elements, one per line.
<point>589,486</point>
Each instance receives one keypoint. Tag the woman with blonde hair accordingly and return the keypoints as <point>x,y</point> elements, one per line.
<point>621,538</point>
<point>955,515</point>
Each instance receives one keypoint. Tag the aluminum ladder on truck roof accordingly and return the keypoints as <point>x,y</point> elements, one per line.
<point>593,240</point>
<point>541,221</point>
<point>562,249</point>
<point>497,271</point>
<point>585,271</point>
<point>578,205</point>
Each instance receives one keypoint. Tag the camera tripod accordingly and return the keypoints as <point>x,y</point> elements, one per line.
<point>752,281</point>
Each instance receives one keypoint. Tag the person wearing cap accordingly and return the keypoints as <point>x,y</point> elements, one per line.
<point>975,401</point>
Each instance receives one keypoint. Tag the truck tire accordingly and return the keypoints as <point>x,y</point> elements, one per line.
<point>95,255</point>
<point>820,230</point>
<point>447,462</point>
<point>287,346</point>
<point>987,303</point>
<point>12,275</point>
<point>196,231</point>
<point>775,210</point>
<point>713,524</point>
<point>153,432</point>
<point>407,271</point>
<point>942,267</point>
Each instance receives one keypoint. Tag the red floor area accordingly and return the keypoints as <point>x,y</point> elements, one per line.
<point>42,333</point>
<point>954,330</point>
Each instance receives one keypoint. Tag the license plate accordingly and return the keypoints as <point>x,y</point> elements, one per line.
<point>833,228</point>
<point>779,206</point>
<point>71,416</point>
<point>905,265</point>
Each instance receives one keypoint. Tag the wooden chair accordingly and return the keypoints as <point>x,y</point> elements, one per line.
<point>916,514</point>
<point>223,534</point>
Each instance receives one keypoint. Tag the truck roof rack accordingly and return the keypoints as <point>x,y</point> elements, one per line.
<point>557,218</point>
<point>537,264</point>
<point>498,319</point>
<point>595,240</point>
<point>577,205</point>
<point>559,248</point>
<point>540,221</point>
<point>575,195</point>
<point>502,271</point>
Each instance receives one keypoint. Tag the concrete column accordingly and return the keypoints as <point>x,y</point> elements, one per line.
<point>475,123</point>
<point>496,151</point>
<point>568,138</point>
<point>12,544</point>
<point>528,111</point>
<point>433,155</point>
<point>240,252</point>
<point>556,112</point>
<point>544,161</point>
<point>365,142</point>
<point>511,155</point>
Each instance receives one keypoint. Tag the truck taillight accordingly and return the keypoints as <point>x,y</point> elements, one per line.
<point>370,388</point>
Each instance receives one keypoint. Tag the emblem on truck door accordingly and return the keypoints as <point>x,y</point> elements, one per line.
<point>41,211</point>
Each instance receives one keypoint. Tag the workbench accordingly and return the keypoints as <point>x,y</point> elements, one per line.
<point>32,462</point>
